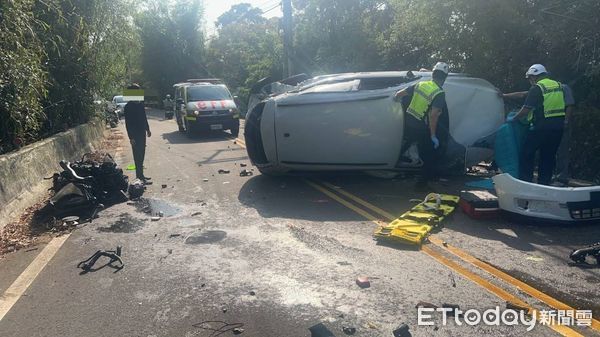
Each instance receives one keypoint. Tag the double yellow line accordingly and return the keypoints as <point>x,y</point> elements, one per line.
<point>336,192</point>
<point>376,214</point>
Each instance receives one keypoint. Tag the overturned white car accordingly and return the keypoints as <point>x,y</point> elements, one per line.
<point>351,122</point>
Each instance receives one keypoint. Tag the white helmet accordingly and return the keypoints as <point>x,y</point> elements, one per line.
<point>441,66</point>
<point>535,70</point>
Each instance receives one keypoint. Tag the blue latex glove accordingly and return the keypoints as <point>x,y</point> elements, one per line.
<point>510,119</point>
<point>435,141</point>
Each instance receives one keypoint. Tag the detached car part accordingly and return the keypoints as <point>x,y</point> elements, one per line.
<point>579,255</point>
<point>559,204</point>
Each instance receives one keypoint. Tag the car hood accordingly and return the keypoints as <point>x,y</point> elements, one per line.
<point>211,105</point>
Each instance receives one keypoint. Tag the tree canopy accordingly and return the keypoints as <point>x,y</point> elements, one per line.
<point>57,55</point>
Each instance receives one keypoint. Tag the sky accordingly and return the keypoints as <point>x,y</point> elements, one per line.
<point>214,8</point>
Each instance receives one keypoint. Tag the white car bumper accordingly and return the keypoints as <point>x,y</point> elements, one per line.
<point>563,204</point>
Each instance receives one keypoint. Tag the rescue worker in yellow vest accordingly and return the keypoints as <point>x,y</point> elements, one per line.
<point>545,109</point>
<point>427,103</point>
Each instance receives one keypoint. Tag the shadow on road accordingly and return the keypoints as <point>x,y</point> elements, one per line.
<point>290,197</point>
<point>177,137</point>
<point>394,196</point>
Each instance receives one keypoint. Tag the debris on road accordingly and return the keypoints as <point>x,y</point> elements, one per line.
<point>174,235</point>
<point>205,180</point>
<point>114,255</point>
<point>422,304</point>
<point>348,330</point>
<point>580,256</point>
<point>252,293</point>
<point>164,185</point>
<point>363,282</point>
<point>223,327</point>
<point>243,165</point>
<point>136,189</point>
<point>246,173</point>
<point>196,213</point>
<point>85,184</point>
<point>221,171</point>
<point>402,331</point>
<point>161,214</point>
<point>534,258</point>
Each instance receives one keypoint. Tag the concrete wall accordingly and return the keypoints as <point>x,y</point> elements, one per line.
<point>22,172</point>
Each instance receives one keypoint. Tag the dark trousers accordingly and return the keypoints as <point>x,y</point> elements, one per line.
<point>563,156</point>
<point>139,153</point>
<point>417,131</point>
<point>547,142</point>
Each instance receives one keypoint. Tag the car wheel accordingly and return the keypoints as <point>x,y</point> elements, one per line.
<point>235,131</point>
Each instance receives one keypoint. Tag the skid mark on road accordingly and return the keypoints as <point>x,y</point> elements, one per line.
<point>22,283</point>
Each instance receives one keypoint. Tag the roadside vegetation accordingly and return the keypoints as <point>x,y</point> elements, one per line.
<point>59,55</point>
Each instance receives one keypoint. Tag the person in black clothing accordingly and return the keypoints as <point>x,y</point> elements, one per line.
<point>137,130</point>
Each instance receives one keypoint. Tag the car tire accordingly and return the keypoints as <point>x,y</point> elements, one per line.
<point>235,131</point>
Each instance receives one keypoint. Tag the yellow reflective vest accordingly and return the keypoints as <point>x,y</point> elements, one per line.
<point>554,98</point>
<point>424,94</point>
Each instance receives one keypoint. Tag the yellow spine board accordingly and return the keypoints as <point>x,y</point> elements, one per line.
<point>415,225</point>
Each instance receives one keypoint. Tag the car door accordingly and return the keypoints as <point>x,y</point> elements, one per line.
<point>338,125</point>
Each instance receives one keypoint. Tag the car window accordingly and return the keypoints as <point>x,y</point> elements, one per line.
<point>208,93</point>
<point>346,86</point>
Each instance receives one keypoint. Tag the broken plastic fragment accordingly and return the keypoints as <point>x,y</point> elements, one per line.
<point>363,282</point>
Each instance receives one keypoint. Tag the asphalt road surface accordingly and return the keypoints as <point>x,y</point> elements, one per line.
<point>276,255</point>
